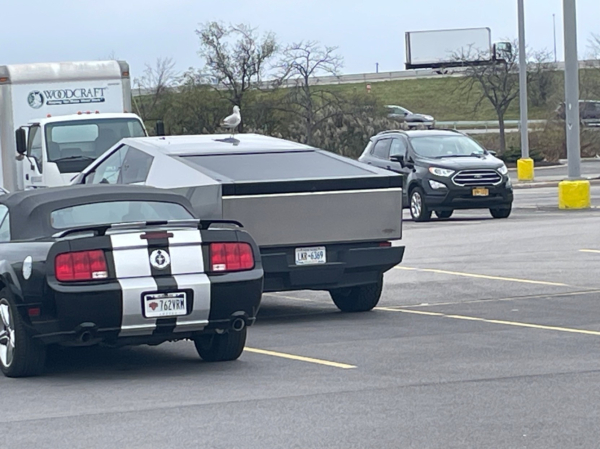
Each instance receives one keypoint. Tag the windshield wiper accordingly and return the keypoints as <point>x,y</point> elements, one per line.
<point>72,158</point>
<point>460,155</point>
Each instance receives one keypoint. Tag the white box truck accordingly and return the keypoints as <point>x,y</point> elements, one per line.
<point>56,118</point>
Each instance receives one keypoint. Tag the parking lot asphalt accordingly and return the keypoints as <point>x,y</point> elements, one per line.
<point>487,335</point>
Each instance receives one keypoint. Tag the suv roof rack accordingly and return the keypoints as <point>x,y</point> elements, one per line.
<point>390,131</point>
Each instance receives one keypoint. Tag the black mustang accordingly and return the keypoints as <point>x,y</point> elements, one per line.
<point>120,265</point>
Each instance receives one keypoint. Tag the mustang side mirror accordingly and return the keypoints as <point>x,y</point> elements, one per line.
<point>21,138</point>
<point>493,153</point>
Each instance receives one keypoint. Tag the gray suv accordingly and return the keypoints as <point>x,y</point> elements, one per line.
<point>443,171</point>
<point>412,119</point>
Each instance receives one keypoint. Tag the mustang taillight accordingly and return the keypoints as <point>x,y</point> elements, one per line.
<point>80,266</point>
<point>226,257</point>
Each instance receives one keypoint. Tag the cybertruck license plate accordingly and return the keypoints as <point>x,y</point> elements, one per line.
<point>480,191</point>
<point>157,305</point>
<point>311,256</point>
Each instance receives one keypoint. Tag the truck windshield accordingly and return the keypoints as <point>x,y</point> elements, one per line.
<point>85,140</point>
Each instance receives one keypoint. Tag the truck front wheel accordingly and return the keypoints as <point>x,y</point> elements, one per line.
<point>357,299</point>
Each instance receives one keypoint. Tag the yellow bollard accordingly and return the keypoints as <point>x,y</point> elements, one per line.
<point>525,169</point>
<point>574,195</point>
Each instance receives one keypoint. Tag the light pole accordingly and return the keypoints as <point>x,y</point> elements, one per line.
<point>525,164</point>
<point>573,193</point>
<point>572,89</point>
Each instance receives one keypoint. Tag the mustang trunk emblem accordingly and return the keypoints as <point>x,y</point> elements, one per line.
<point>160,259</point>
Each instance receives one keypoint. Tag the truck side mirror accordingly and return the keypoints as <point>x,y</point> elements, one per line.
<point>21,138</point>
<point>398,158</point>
<point>160,128</point>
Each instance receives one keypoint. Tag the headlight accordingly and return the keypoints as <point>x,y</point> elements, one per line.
<point>503,170</point>
<point>436,185</point>
<point>440,171</point>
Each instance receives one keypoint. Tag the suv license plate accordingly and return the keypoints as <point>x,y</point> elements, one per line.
<point>311,256</point>
<point>480,191</point>
<point>158,305</point>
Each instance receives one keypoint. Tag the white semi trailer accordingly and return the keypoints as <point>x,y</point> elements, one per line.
<point>56,118</point>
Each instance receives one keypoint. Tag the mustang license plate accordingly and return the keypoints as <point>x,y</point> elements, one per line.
<point>157,305</point>
<point>480,191</point>
<point>311,256</point>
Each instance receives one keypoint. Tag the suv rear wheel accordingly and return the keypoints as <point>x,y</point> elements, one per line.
<point>418,207</point>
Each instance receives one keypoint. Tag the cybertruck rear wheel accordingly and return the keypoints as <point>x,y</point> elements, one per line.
<point>357,299</point>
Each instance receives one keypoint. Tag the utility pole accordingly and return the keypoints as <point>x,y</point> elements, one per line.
<point>376,67</point>
<point>554,27</point>
<point>573,193</point>
<point>525,164</point>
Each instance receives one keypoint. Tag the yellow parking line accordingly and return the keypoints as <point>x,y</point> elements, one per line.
<point>589,251</point>
<point>482,276</point>
<point>513,298</point>
<point>300,358</point>
<point>506,323</point>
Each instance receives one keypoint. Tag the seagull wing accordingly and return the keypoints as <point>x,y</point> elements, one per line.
<point>231,121</point>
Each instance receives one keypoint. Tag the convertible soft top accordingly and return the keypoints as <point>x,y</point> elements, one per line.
<point>30,209</point>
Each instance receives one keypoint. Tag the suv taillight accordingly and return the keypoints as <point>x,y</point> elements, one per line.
<point>226,257</point>
<point>80,266</point>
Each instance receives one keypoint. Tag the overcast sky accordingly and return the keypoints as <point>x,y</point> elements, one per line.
<point>366,32</point>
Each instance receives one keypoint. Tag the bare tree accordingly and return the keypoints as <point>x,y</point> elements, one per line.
<point>153,86</point>
<point>594,45</point>
<point>299,66</point>
<point>541,78</point>
<point>236,56</point>
<point>197,108</point>
<point>496,82</point>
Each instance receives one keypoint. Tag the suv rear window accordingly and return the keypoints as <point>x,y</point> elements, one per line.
<point>116,212</point>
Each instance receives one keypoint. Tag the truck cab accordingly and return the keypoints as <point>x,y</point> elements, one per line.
<point>53,150</point>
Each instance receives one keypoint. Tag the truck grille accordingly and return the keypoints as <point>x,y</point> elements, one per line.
<point>477,178</point>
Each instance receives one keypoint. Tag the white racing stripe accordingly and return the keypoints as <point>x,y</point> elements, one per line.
<point>134,274</point>
<point>198,318</point>
<point>132,269</point>
<point>187,268</point>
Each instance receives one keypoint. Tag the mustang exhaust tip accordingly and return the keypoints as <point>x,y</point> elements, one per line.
<point>85,337</point>
<point>238,324</point>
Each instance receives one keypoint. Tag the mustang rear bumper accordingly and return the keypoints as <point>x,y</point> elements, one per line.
<point>86,314</point>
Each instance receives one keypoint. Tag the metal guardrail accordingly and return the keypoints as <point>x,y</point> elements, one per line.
<point>484,123</point>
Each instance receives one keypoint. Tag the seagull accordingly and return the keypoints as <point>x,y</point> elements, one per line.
<point>231,122</point>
